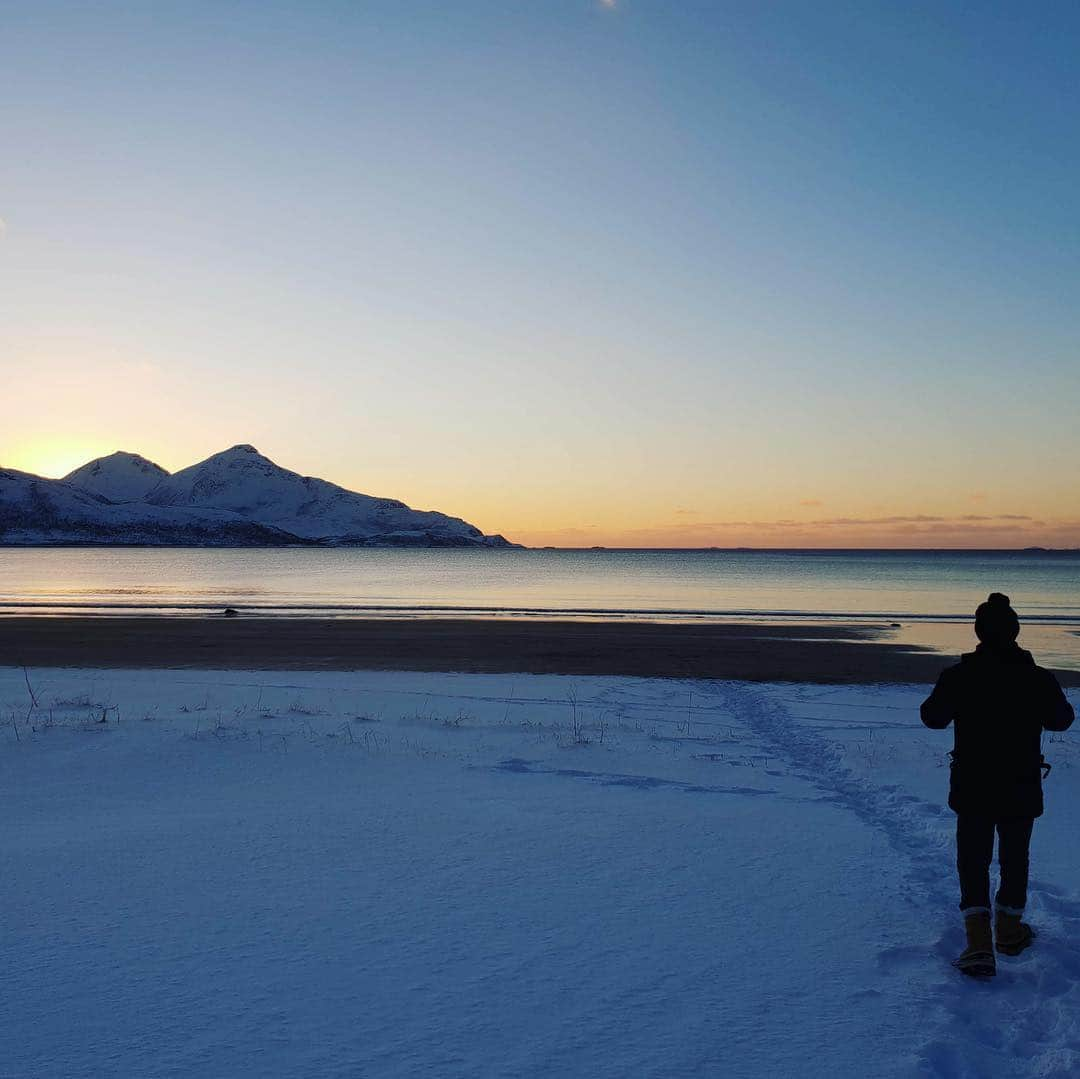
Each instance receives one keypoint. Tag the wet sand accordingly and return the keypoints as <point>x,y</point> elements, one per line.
<point>803,653</point>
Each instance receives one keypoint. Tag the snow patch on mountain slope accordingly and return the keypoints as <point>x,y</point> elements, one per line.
<point>241,480</point>
<point>36,511</point>
<point>238,497</point>
<point>119,477</point>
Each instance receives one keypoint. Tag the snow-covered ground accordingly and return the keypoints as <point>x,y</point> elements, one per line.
<point>379,874</point>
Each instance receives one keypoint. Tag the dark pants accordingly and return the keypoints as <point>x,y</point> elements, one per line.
<point>975,852</point>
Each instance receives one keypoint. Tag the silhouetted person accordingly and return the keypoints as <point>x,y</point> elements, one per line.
<point>1000,702</point>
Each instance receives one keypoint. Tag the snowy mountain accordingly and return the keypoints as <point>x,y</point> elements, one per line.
<point>242,481</point>
<point>235,498</point>
<point>34,510</point>
<point>120,477</point>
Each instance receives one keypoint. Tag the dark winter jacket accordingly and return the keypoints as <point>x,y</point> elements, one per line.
<point>1000,703</point>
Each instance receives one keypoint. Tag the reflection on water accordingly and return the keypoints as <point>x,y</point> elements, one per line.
<point>932,594</point>
<point>1053,645</point>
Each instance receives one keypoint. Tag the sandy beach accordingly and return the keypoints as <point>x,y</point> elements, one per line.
<point>803,653</point>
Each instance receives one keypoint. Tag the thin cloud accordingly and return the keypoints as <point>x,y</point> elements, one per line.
<point>916,519</point>
<point>995,517</point>
<point>811,502</point>
<point>905,524</point>
<point>899,530</point>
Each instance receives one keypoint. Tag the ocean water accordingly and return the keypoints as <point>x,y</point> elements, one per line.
<point>931,593</point>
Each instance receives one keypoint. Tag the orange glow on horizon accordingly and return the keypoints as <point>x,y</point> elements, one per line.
<point>536,512</point>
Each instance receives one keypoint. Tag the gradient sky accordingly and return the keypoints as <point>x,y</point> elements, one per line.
<point>643,272</point>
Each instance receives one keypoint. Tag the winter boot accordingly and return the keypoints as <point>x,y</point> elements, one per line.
<point>1013,935</point>
<point>977,959</point>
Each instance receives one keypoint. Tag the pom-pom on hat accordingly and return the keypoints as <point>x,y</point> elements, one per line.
<point>995,620</point>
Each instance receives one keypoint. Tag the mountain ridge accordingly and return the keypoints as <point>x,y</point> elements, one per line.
<point>119,477</point>
<point>237,497</point>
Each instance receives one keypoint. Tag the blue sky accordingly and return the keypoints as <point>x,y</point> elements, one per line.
<point>687,273</point>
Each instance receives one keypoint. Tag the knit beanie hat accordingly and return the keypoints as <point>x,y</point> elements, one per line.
<point>996,621</point>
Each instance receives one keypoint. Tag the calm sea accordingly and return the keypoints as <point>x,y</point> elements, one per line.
<point>932,594</point>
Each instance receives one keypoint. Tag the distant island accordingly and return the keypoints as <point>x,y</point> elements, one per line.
<point>236,498</point>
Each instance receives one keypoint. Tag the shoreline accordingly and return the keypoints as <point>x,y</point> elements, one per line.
<point>511,546</point>
<point>765,652</point>
<point>870,621</point>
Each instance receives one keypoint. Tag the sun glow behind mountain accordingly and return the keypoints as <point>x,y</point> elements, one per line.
<point>236,496</point>
<point>53,458</point>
